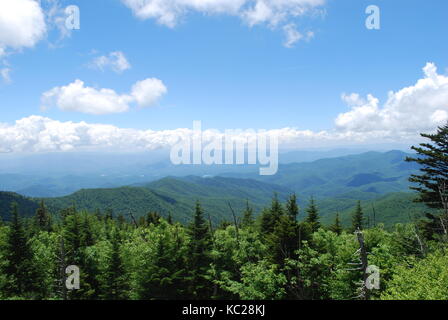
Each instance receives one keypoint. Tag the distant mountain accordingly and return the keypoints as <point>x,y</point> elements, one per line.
<point>176,197</point>
<point>27,207</point>
<point>363,176</point>
<point>61,174</point>
<point>379,179</point>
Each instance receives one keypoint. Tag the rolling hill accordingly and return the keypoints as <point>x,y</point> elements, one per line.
<point>380,180</point>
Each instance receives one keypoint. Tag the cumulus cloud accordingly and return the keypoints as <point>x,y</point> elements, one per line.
<point>148,91</point>
<point>420,107</point>
<point>77,97</point>
<point>41,134</point>
<point>115,60</point>
<point>80,98</point>
<point>22,24</point>
<point>407,112</point>
<point>251,12</point>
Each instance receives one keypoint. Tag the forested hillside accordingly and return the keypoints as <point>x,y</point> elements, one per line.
<point>202,238</point>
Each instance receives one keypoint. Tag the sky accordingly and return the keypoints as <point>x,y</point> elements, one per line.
<point>137,73</point>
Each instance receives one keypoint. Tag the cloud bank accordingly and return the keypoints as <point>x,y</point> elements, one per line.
<point>407,112</point>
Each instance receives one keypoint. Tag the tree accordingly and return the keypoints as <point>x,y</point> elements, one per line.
<point>433,161</point>
<point>270,217</point>
<point>358,218</point>
<point>23,278</point>
<point>199,259</point>
<point>336,227</point>
<point>284,241</point>
<point>292,208</point>
<point>313,216</point>
<point>153,218</point>
<point>115,280</point>
<point>248,216</point>
<point>42,217</point>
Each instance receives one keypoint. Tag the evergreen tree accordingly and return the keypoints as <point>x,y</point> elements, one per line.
<point>292,208</point>
<point>336,227</point>
<point>199,259</point>
<point>153,218</point>
<point>115,281</point>
<point>269,218</point>
<point>357,218</point>
<point>312,218</point>
<point>23,278</point>
<point>284,241</point>
<point>248,216</point>
<point>433,161</point>
<point>42,217</point>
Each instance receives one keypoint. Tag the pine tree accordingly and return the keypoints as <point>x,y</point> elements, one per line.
<point>284,241</point>
<point>42,217</point>
<point>312,216</point>
<point>199,256</point>
<point>153,218</point>
<point>433,159</point>
<point>248,216</point>
<point>23,278</point>
<point>292,208</point>
<point>336,227</point>
<point>115,281</point>
<point>358,218</point>
<point>270,217</point>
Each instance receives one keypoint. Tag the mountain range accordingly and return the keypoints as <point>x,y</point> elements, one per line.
<point>379,179</point>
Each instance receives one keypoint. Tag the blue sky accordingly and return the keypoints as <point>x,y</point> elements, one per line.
<point>219,70</point>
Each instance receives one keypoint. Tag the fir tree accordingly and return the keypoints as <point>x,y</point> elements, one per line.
<point>433,161</point>
<point>358,218</point>
<point>248,216</point>
<point>153,218</point>
<point>270,218</point>
<point>42,217</point>
<point>336,227</point>
<point>23,278</point>
<point>199,255</point>
<point>292,208</point>
<point>115,281</point>
<point>312,218</point>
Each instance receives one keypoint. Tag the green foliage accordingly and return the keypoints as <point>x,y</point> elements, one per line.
<point>357,218</point>
<point>274,257</point>
<point>21,276</point>
<point>425,279</point>
<point>433,161</point>
<point>312,217</point>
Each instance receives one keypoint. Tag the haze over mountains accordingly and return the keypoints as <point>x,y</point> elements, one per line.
<point>60,174</point>
<point>380,179</point>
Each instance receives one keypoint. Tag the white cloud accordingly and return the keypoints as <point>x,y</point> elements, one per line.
<point>251,12</point>
<point>39,134</point>
<point>148,91</point>
<point>79,98</point>
<point>115,60</point>
<point>406,113</point>
<point>5,74</point>
<point>22,24</point>
<point>293,35</point>
<point>420,107</point>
